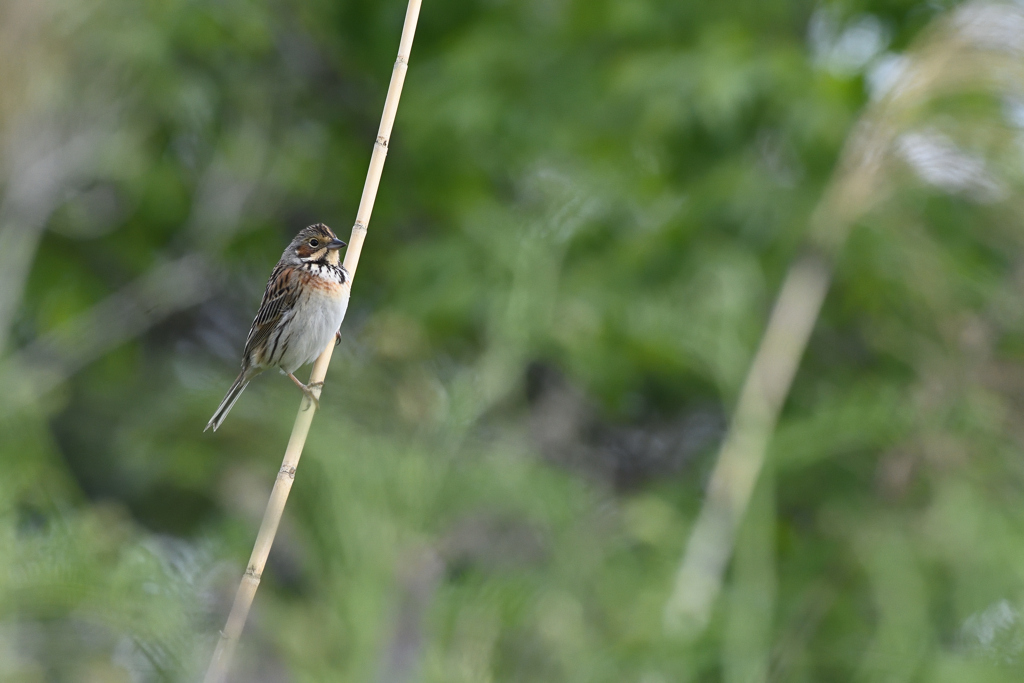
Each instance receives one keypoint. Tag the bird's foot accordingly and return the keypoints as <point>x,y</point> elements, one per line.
<point>337,337</point>
<point>307,390</point>
<point>313,400</point>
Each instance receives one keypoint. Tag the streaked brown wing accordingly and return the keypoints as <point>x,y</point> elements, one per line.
<point>281,295</point>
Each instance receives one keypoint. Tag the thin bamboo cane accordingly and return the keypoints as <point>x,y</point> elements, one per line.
<point>222,656</point>
<point>961,51</point>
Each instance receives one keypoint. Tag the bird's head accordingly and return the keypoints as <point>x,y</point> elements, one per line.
<point>317,243</point>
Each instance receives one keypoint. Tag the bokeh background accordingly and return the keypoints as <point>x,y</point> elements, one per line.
<point>586,214</point>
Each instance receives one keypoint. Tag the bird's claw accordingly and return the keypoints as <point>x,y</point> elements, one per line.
<point>308,391</point>
<point>337,337</point>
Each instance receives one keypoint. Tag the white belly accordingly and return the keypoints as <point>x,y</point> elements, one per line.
<point>316,317</point>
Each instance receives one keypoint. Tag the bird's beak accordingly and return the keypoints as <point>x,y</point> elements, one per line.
<point>336,244</point>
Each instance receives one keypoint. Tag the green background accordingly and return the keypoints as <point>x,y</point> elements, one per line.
<point>587,212</point>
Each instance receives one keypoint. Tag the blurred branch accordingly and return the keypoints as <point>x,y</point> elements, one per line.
<point>50,360</point>
<point>420,574</point>
<point>42,165</point>
<point>224,191</point>
<point>980,44</point>
<point>54,357</point>
<point>221,660</point>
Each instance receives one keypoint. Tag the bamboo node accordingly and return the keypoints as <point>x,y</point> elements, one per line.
<point>252,573</point>
<point>382,141</point>
<point>287,471</point>
<point>359,226</point>
<point>401,60</point>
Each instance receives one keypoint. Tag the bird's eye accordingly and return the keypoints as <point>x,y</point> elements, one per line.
<point>314,243</point>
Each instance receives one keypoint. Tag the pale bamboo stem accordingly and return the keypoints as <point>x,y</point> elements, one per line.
<point>222,656</point>
<point>857,187</point>
<point>959,53</point>
<point>742,455</point>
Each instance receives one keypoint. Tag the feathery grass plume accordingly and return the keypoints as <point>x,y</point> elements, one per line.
<point>978,47</point>
<point>221,660</point>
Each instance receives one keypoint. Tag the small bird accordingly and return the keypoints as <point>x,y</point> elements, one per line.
<point>302,309</point>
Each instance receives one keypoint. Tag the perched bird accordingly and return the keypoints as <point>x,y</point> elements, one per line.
<point>301,310</point>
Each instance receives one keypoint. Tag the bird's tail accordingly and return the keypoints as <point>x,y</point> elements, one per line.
<point>241,382</point>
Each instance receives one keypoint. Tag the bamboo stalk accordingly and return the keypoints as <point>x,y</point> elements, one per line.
<point>858,185</point>
<point>222,656</point>
<point>961,51</point>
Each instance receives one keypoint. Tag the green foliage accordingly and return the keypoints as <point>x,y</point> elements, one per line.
<point>586,214</point>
